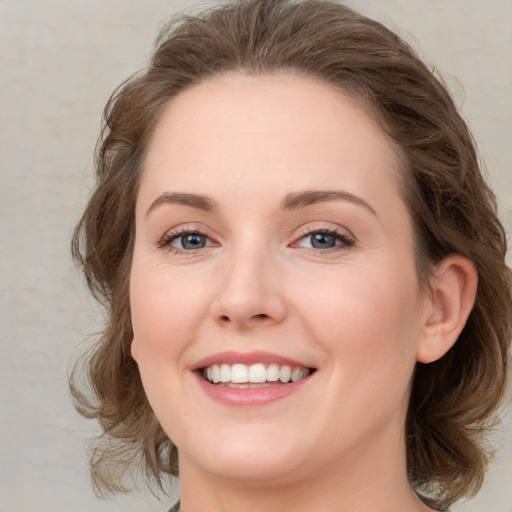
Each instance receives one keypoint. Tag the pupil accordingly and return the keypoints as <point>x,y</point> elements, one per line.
<point>193,241</point>
<point>323,241</point>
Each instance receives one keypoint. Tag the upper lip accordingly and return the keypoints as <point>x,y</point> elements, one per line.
<point>248,358</point>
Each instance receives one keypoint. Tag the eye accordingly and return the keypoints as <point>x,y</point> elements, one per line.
<point>190,241</point>
<point>325,240</point>
<point>185,241</point>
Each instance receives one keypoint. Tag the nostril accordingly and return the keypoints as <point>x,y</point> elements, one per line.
<point>257,319</point>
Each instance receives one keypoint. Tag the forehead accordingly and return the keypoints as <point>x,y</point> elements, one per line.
<point>281,129</point>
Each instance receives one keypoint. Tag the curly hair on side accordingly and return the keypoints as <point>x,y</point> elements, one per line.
<point>454,400</point>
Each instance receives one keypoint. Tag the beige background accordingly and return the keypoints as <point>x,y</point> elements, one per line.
<point>59,61</point>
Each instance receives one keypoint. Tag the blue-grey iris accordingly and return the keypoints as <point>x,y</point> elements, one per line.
<point>323,241</point>
<point>193,241</point>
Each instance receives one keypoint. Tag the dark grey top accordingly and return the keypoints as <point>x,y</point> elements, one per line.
<point>175,507</point>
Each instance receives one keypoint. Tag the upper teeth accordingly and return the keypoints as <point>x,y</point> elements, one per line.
<point>255,373</point>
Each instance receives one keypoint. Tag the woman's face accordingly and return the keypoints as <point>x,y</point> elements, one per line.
<point>273,253</point>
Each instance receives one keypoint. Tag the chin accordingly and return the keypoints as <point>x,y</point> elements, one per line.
<point>248,453</point>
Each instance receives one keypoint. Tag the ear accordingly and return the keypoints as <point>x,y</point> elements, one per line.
<point>448,305</point>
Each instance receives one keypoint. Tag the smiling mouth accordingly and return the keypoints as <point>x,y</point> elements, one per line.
<point>255,375</point>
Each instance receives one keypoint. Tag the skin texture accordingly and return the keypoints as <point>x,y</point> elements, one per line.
<point>354,312</point>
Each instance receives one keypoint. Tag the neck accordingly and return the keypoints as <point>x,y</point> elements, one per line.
<point>373,477</point>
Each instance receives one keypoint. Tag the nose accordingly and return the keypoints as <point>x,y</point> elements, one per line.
<point>250,292</point>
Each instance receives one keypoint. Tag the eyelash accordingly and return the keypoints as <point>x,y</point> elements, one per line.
<point>346,242</point>
<point>168,238</point>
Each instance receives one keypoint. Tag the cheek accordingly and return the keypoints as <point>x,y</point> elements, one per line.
<point>366,322</point>
<point>165,323</point>
<point>164,311</point>
<point>365,318</point>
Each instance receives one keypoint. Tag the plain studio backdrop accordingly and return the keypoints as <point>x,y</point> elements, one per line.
<point>59,62</point>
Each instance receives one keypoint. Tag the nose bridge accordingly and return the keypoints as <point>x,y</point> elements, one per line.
<point>249,293</point>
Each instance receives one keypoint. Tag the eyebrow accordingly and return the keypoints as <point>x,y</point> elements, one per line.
<point>291,201</point>
<point>300,199</point>
<point>192,200</point>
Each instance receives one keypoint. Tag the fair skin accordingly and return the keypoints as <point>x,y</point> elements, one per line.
<point>233,263</point>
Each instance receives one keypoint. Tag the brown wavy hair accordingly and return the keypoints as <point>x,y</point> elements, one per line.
<point>454,400</point>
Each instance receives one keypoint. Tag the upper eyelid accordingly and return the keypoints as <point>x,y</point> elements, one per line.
<point>333,228</point>
<point>184,229</point>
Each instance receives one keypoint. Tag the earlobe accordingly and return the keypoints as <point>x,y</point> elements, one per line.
<point>133,350</point>
<point>450,301</point>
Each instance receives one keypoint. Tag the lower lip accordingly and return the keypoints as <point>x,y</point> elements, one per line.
<point>240,397</point>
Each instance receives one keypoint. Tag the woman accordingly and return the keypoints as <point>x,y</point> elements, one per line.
<point>308,305</point>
